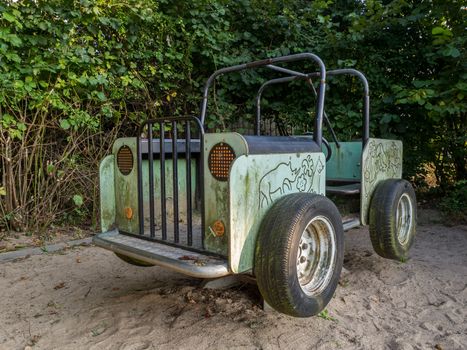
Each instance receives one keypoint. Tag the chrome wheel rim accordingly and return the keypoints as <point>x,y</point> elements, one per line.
<point>316,256</point>
<point>404,219</point>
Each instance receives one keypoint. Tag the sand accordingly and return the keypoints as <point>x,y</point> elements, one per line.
<point>86,298</point>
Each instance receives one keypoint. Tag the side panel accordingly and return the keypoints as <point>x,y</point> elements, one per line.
<point>381,159</point>
<point>345,162</point>
<point>126,190</point>
<point>216,193</point>
<point>107,193</point>
<point>256,182</point>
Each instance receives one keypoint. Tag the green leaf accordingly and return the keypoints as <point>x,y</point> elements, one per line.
<point>78,200</point>
<point>21,126</point>
<point>437,30</point>
<point>441,31</point>
<point>13,57</point>
<point>18,84</point>
<point>101,96</point>
<point>454,52</point>
<point>65,124</point>
<point>2,191</point>
<point>15,40</point>
<point>9,17</point>
<point>419,83</point>
<point>50,169</point>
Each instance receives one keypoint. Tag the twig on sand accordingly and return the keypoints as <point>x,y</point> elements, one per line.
<point>176,314</point>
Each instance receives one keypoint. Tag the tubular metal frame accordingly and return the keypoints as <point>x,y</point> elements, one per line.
<point>301,76</point>
<point>286,80</point>
<point>269,63</point>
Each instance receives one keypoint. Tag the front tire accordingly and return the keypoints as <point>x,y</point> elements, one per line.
<point>393,219</point>
<point>299,254</point>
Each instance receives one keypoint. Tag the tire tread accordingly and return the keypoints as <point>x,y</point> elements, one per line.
<point>382,228</point>
<point>274,245</point>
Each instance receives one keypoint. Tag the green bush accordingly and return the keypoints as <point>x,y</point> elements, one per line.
<point>77,74</point>
<point>454,204</point>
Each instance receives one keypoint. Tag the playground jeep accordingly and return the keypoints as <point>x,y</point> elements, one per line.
<point>211,205</point>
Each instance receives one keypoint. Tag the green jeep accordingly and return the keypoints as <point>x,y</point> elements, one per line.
<point>211,205</point>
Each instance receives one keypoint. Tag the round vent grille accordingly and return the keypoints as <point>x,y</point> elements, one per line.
<point>220,158</point>
<point>125,160</point>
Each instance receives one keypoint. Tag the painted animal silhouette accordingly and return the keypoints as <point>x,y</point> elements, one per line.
<point>283,178</point>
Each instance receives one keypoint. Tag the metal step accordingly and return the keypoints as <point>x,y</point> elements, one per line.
<point>177,259</point>
<point>344,189</point>
<point>350,223</point>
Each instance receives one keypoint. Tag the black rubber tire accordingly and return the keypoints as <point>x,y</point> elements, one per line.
<point>133,261</point>
<point>276,253</point>
<point>383,226</point>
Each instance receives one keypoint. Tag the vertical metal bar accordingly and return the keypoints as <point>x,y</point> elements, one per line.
<point>201,154</point>
<point>189,211</point>
<point>326,119</point>
<point>366,118</point>
<point>258,113</point>
<point>318,133</point>
<point>151,182</point>
<point>175,179</point>
<point>140,183</point>
<point>163,194</point>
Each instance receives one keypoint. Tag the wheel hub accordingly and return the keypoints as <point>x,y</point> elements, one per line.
<point>404,219</point>
<point>316,255</point>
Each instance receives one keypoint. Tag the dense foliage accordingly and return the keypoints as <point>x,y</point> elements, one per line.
<point>76,74</point>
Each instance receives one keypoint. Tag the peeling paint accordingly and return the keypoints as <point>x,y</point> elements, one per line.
<point>381,159</point>
<point>251,176</point>
<point>107,193</point>
<point>216,193</point>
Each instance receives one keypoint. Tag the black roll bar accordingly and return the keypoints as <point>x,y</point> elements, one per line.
<point>366,98</point>
<point>286,80</point>
<point>297,75</point>
<point>268,63</point>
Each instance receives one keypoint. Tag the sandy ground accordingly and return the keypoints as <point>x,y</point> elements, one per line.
<point>86,298</point>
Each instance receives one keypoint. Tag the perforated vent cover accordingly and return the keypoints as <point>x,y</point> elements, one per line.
<point>125,160</point>
<point>219,160</point>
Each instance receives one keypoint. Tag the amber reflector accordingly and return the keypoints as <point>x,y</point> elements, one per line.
<point>125,160</point>
<point>129,213</point>
<point>220,158</point>
<point>218,228</point>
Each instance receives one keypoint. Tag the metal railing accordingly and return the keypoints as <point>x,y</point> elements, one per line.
<point>160,148</point>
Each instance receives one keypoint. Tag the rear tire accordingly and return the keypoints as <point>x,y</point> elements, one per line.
<point>299,254</point>
<point>393,219</point>
<point>133,261</point>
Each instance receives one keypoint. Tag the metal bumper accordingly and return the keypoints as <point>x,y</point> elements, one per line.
<point>177,259</point>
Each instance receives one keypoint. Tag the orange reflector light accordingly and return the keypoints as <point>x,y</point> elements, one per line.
<point>129,213</point>
<point>218,228</point>
<point>220,158</point>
